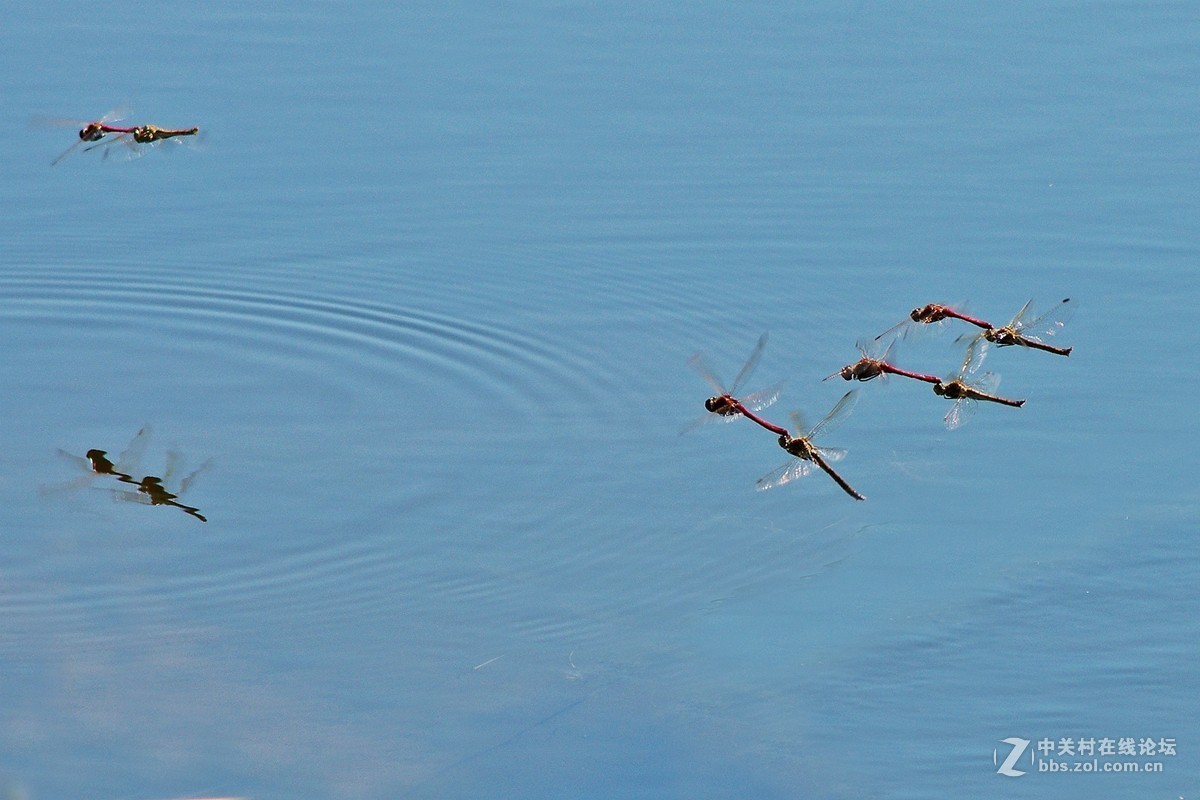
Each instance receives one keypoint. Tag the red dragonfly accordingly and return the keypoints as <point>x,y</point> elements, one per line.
<point>929,314</point>
<point>93,131</point>
<point>870,367</point>
<point>140,139</point>
<point>812,456</point>
<point>726,405</point>
<point>965,390</point>
<point>1033,333</point>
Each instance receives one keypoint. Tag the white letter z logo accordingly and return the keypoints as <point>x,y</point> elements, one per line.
<point>1018,749</point>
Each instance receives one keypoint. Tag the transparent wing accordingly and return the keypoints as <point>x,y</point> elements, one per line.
<point>831,453</point>
<point>709,418</point>
<point>987,382</point>
<point>78,461</point>
<point>190,479</point>
<point>797,422</point>
<point>1016,321</point>
<point>764,398</point>
<point>836,416</point>
<point>60,488</point>
<point>66,152</point>
<point>899,330</point>
<point>977,351</point>
<point>131,456</point>
<point>960,412</point>
<point>784,473</point>
<point>749,366</point>
<point>1049,323</point>
<point>124,496</point>
<point>697,363</point>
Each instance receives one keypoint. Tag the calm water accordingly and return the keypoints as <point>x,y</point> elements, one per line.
<point>425,297</point>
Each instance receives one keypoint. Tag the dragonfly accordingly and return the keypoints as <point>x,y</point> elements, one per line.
<point>929,314</point>
<point>1033,333</point>
<point>871,366</point>
<point>93,131</point>
<point>810,455</point>
<point>151,489</point>
<point>965,390</point>
<point>726,405</point>
<point>140,139</point>
<point>96,462</point>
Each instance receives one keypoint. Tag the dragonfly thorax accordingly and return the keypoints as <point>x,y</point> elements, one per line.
<point>721,405</point>
<point>953,390</point>
<point>1002,337</point>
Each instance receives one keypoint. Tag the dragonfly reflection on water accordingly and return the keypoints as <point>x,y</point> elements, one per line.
<point>96,462</point>
<point>152,491</point>
<point>149,490</point>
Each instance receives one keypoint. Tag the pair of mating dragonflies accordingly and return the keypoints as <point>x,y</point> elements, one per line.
<point>131,141</point>
<point>966,387</point>
<point>149,490</point>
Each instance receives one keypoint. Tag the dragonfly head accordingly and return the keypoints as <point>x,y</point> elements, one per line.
<point>92,132</point>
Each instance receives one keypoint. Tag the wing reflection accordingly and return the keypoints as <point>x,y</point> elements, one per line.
<point>151,489</point>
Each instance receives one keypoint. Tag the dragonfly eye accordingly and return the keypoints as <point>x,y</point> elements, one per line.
<point>710,404</point>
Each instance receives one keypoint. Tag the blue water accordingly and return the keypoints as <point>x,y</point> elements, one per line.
<point>425,294</point>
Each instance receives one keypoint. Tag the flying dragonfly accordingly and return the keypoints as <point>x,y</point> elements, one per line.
<point>965,389</point>
<point>873,365</point>
<point>929,315</point>
<point>136,142</point>
<point>1033,333</point>
<point>812,456</point>
<point>89,131</point>
<point>726,405</point>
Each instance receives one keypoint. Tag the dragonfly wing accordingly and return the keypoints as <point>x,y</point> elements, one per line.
<point>697,363</point>
<point>764,398</point>
<point>784,473</point>
<point>1017,320</point>
<point>987,382</point>
<point>66,152</point>
<point>831,453</point>
<point>70,486</point>
<point>898,331</point>
<point>1051,322</point>
<point>190,479</point>
<point>749,366</point>
<point>131,456</point>
<point>122,496</point>
<point>960,412</point>
<point>79,461</point>
<point>797,422</point>
<point>977,351</point>
<point>836,416</point>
